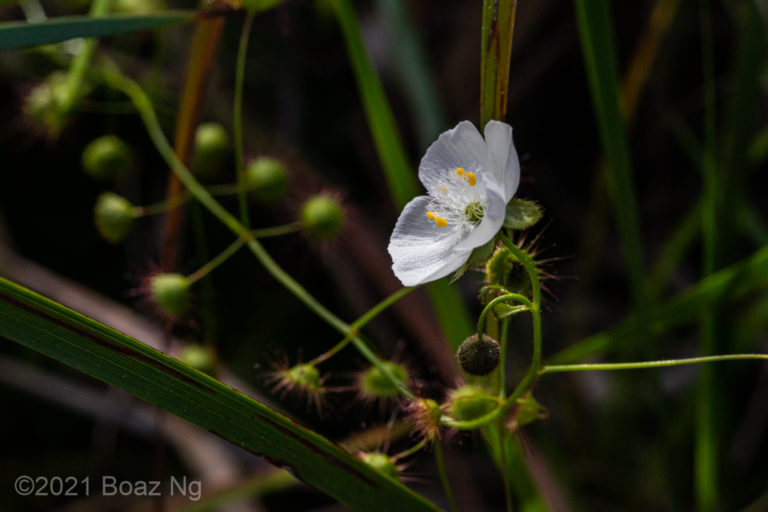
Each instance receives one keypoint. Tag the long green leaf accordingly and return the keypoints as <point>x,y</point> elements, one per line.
<point>595,28</point>
<point>729,283</point>
<point>401,179</point>
<point>56,30</point>
<point>102,352</point>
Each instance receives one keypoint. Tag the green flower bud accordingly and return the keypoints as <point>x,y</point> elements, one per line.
<point>471,402</point>
<point>114,216</point>
<point>527,411</point>
<point>44,103</point>
<point>211,150</point>
<point>374,384</point>
<point>381,463</point>
<point>522,214</point>
<point>479,357</point>
<point>171,293</point>
<point>305,377</point>
<point>506,270</point>
<point>322,217</point>
<point>199,357</point>
<point>266,179</point>
<point>106,157</point>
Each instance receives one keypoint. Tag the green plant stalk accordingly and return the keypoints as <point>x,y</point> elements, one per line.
<point>116,359</point>
<point>503,357</point>
<point>706,443</point>
<point>598,47</point>
<point>362,321</point>
<point>80,63</point>
<point>481,320</point>
<point>401,181</point>
<point>237,122</point>
<point>641,365</point>
<point>731,283</point>
<point>495,51</point>
<point>440,463</point>
<point>115,79</point>
<point>216,261</point>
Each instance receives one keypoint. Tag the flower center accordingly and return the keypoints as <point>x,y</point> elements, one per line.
<point>457,200</point>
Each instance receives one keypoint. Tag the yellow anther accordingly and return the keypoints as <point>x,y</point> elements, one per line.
<point>472,179</point>
<point>431,215</point>
<point>441,222</point>
<point>460,171</point>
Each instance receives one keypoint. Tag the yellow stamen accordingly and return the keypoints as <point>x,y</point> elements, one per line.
<point>441,222</point>
<point>460,171</point>
<point>472,179</point>
<point>431,215</point>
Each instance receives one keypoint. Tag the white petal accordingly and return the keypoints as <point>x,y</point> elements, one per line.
<point>502,157</point>
<point>490,225</point>
<point>422,252</point>
<point>460,147</point>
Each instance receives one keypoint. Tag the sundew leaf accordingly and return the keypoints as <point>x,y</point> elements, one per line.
<point>119,360</point>
<point>21,34</point>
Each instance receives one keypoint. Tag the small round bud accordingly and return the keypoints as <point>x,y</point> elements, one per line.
<point>471,402</point>
<point>374,384</point>
<point>304,376</point>
<point>106,157</point>
<point>424,417</point>
<point>44,103</point>
<point>199,357</point>
<point>322,217</point>
<point>479,357</point>
<point>266,179</point>
<point>382,463</point>
<point>113,215</point>
<point>211,150</point>
<point>171,293</point>
<point>522,214</point>
<point>506,270</point>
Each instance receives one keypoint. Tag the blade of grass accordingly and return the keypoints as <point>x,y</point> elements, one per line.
<point>21,35</point>
<point>495,51</point>
<point>450,310</point>
<point>730,283</point>
<point>598,48</point>
<point>112,357</point>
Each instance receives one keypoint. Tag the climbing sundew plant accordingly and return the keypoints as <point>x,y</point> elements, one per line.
<point>285,255</point>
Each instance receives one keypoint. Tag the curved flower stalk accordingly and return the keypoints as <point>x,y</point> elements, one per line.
<point>469,181</point>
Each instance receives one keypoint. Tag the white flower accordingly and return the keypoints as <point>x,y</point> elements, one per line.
<point>469,181</point>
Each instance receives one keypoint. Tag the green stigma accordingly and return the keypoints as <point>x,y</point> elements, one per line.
<point>474,211</point>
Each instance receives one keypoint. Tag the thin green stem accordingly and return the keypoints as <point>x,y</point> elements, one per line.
<point>506,475</point>
<point>498,300</point>
<point>410,451</point>
<point>162,206</point>
<point>355,327</point>
<point>557,368</point>
<point>115,79</point>
<point>80,63</point>
<point>285,229</point>
<point>440,462</point>
<point>215,262</point>
<point>237,123</point>
<point>503,357</point>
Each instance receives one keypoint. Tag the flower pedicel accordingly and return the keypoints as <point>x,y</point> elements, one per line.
<point>469,181</point>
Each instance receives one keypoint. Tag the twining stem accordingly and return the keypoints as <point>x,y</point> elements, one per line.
<point>355,327</point>
<point>503,357</point>
<point>115,79</point>
<point>647,364</point>
<point>218,260</point>
<point>505,468</point>
<point>498,300</point>
<point>237,123</point>
<point>440,463</point>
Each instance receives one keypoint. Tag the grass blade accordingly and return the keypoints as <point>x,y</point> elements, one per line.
<point>22,35</point>
<point>108,355</point>
<point>595,28</point>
